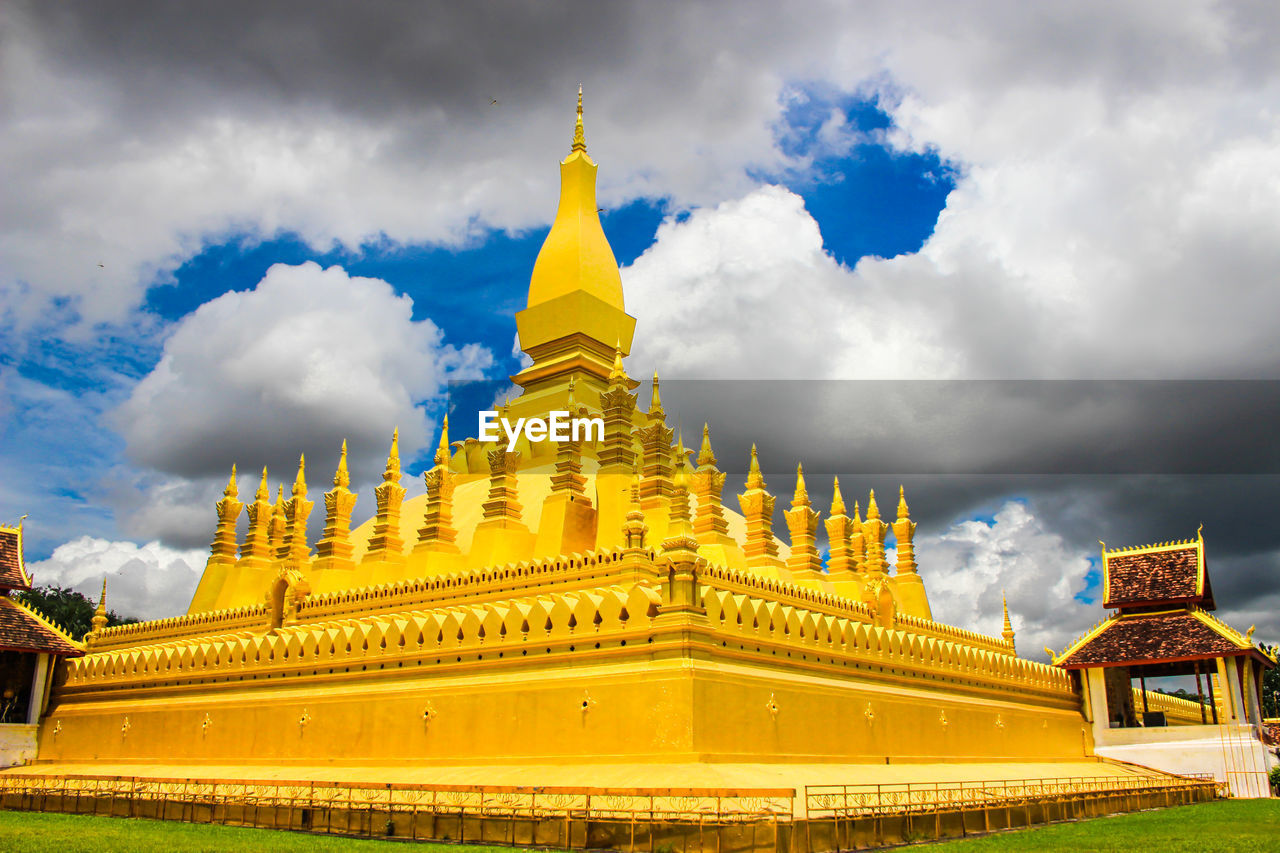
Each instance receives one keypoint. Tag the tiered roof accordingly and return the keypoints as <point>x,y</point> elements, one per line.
<point>1165,636</point>
<point>22,629</point>
<point>1164,573</point>
<point>13,572</point>
<point>1162,593</point>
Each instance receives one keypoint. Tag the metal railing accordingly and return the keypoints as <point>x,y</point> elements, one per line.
<point>658,820</point>
<point>849,817</point>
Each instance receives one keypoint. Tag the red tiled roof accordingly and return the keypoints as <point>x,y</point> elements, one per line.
<point>1155,576</point>
<point>13,574</point>
<point>24,631</point>
<point>1154,637</point>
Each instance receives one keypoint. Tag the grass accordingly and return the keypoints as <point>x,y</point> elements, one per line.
<point>35,832</point>
<point>1229,826</point>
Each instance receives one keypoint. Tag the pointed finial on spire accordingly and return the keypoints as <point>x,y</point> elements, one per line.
<point>579,138</point>
<point>681,476</point>
<point>280,494</point>
<point>705,456</point>
<point>231,491</point>
<point>1007,634</point>
<point>572,402</point>
<point>442,452</point>
<point>903,512</point>
<point>264,491</point>
<point>873,511</point>
<point>837,499</point>
<point>755,480</point>
<point>99,620</point>
<point>300,482</point>
<point>618,372</point>
<point>341,477</point>
<point>802,494</point>
<point>857,512</point>
<point>392,472</point>
<point>655,401</point>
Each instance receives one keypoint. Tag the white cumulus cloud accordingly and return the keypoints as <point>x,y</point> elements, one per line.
<point>148,581</point>
<point>966,567</point>
<point>309,357</point>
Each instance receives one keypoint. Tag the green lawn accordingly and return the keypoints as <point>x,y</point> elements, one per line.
<point>1230,825</point>
<point>1225,825</point>
<point>34,832</point>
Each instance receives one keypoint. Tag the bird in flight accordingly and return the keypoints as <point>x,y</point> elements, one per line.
<point>493,102</point>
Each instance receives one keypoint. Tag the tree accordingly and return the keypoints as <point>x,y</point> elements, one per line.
<point>67,608</point>
<point>1270,684</point>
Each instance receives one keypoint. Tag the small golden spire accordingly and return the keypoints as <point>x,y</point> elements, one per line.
<point>873,511</point>
<point>857,513</point>
<point>442,452</point>
<point>392,473</point>
<point>1007,634</point>
<point>903,512</point>
<point>837,499</point>
<point>572,402</point>
<point>99,620</point>
<point>655,400</point>
<point>755,480</point>
<point>231,491</point>
<point>264,491</point>
<point>300,482</point>
<point>705,456</point>
<point>802,494</point>
<point>579,138</point>
<point>618,373</point>
<point>341,477</point>
<point>635,489</point>
<point>280,498</point>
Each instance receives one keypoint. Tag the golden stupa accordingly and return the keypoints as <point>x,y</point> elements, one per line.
<point>564,613</point>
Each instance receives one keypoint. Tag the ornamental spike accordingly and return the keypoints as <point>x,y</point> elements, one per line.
<point>802,494</point>
<point>99,620</point>
<point>442,452</point>
<point>755,479</point>
<point>300,482</point>
<point>342,477</point>
<point>618,373</point>
<point>579,137</point>
<point>231,490</point>
<point>392,472</point>
<point>837,499</point>
<point>705,456</point>
<point>903,511</point>
<point>264,491</point>
<point>873,511</point>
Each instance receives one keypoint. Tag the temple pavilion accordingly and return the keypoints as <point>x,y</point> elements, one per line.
<point>29,646</point>
<point>1163,627</point>
<point>565,613</point>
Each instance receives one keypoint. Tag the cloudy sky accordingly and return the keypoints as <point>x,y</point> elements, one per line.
<point>231,232</point>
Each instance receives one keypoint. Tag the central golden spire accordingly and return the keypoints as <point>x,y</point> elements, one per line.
<point>575,316</point>
<point>576,255</point>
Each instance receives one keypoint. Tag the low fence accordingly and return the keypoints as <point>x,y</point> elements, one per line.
<point>853,817</point>
<point>657,820</point>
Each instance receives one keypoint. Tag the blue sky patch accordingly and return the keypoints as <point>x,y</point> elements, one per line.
<point>868,199</point>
